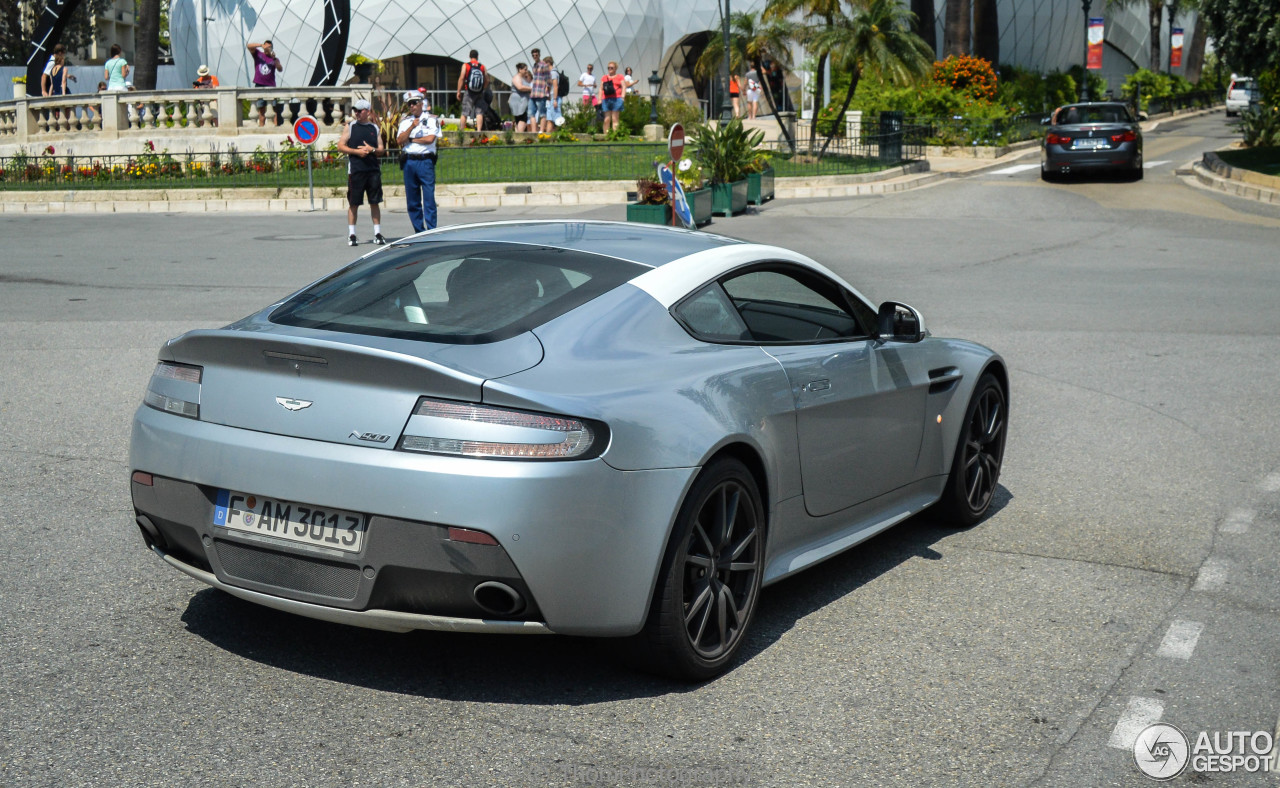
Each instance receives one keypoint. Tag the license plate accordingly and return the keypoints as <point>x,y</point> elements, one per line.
<point>314,525</point>
<point>1090,142</point>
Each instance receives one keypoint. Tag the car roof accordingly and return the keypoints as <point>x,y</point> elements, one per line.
<point>644,244</point>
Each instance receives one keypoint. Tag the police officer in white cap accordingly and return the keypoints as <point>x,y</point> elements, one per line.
<point>417,137</point>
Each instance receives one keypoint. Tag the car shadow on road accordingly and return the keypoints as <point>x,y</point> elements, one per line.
<point>530,669</point>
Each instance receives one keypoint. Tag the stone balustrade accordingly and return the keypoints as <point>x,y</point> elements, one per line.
<point>99,119</point>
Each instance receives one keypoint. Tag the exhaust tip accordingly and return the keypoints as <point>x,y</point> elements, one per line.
<point>151,535</point>
<point>498,598</point>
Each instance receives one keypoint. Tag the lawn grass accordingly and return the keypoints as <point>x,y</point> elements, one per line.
<point>1265,160</point>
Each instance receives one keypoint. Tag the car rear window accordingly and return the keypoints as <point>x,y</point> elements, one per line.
<point>455,292</point>
<point>1108,114</point>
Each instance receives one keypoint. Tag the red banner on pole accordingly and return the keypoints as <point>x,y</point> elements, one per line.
<point>1175,48</point>
<point>1094,60</point>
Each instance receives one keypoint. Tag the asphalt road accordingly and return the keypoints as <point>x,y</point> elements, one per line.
<point>1126,575</point>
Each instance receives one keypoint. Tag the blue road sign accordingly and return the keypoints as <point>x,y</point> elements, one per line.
<point>306,130</point>
<point>679,203</point>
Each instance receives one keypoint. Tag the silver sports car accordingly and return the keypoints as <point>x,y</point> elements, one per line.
<point>584,428</point>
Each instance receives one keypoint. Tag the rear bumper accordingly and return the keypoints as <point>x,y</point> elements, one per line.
<point>1058,159</point>
<point>580,540</point>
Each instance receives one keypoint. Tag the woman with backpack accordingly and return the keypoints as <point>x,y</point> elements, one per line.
<point>612,89</point>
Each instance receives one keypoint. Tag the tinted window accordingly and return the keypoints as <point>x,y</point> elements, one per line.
<point>785,305</point>
<point>460,292</point>
<point>709,314</point>
<point>1113,113</point>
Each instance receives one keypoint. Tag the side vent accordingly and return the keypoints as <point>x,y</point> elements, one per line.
<point>943,379</point>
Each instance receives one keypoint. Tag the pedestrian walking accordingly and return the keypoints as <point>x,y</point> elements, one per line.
<point>612,89</point>
<point>540,90</point>
<point>116,69</point>
<point>753,94</point>
<point>735,93</point>
<point>265,66</point>
<point>473,84</point>
<point>416,136</point>
<point>629,80</point>
<point>361,140</point>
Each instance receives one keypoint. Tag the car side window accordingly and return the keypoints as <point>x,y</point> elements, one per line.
<point>710,315</point>
<point>789,305</point>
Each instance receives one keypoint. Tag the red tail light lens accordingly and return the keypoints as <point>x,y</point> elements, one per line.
<point>1057,139</point>
<point>1127,136</point>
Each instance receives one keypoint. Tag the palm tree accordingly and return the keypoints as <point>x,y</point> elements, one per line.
<point>826,10</point>
<point>876,38</point>
<point>986,31</point>
<point>751,41</point>
<point>925,22</point>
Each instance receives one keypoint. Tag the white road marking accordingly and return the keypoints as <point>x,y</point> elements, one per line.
<point>1014,169</point>
<point>1238,521</point>
<point>1213,575</point>
<point>1271,483</point>
<point>1146,165</point>
<point>1180,641</point>
<point>1275,748</point>
<point>1140,713</point>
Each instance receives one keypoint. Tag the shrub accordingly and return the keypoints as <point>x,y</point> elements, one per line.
<point>972,76</point>
<point>1260,126</point>
<point>651,192</point>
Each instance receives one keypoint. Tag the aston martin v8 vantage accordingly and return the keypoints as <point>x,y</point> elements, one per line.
<point>585,428</point>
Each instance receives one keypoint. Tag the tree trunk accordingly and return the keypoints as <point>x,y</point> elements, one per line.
<point>956,28</point>
<point>848,97</point>
<point>1195,54</point>
<point>926,23</point>
<point>773,103</point>
<point>146,45</point>
<point>1154,8</point>
<point>986,31</point>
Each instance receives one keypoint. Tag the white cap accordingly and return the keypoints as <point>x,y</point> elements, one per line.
<point>412,95</point>
<point>361,104</point>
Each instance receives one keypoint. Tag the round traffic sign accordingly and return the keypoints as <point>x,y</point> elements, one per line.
<point>306,130</point>
<point>675,141</point>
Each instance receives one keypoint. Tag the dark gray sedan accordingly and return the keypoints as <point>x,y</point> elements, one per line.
<point>1097,136</point>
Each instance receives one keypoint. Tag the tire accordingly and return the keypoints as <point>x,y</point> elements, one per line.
<point>698,621</point>
<point>1046,176</point>
<point>1137,173</point>
<point>975,470</point>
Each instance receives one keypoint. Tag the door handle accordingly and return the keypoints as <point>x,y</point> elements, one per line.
<point>818,385</point>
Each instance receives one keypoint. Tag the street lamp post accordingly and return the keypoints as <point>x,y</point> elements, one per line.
<point>726,106</point>
<point>1084,82</point>
<point>655,85</point>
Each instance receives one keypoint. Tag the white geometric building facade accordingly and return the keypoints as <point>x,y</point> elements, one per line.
<point>1039,34</point>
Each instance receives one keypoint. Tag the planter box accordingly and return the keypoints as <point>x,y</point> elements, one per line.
<point>760,186</point>
<point>649,214</point>
<point>700,203</point>
<point>728,199</point>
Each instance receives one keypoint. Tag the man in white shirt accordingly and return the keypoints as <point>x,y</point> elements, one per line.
<point>417,135</point>
<point>588,84</point>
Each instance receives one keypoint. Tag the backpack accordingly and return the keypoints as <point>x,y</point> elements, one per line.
<point>562,87</point>
<point>475,78</point>
<point>609,88</point>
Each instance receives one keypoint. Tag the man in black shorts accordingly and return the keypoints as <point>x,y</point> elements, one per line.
<point>361,140</point>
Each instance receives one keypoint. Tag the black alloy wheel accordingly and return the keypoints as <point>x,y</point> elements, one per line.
<point>975,471</point>
<point>710,581</point>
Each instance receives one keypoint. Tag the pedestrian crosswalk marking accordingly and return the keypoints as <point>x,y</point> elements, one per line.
<point>1015,169</point>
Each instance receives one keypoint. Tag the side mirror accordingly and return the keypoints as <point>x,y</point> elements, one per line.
<point>899,323</point>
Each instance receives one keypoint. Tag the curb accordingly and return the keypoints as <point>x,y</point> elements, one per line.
<point>1207,177</point>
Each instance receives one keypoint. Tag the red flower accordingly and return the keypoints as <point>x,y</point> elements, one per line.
<point>49,150</point>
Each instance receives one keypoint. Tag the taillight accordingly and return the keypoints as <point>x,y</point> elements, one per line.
<point>1057,139</point>
<point>175,388</point>
<point>464,429</point>
<point>1127,136</point>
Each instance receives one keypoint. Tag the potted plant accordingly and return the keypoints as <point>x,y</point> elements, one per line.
<point>19,88</point>
<point>652,205</point>
<point>760,179</point>
<point>696,190</point>
<point>725,152</point>
<point>364,66</point>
